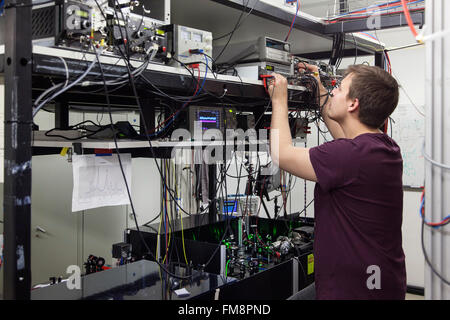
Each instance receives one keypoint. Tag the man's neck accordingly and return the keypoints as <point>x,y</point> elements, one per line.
<point>352,130</point>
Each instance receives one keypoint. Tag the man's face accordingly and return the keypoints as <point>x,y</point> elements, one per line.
<point>340,101</point>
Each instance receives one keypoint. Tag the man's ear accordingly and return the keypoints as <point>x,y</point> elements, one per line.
<point>354,106</point>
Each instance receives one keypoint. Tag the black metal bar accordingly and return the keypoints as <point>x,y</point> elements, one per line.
<point>62,114</point>
<point>169,82</point>
<point>17,169</point>
<point>45,65</point>
<point>379,59</point>
<point>364,24</point>
<point>148,112</point>
<point>327,54</point>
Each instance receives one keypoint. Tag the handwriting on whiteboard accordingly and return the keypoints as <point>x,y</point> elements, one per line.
<point>409,132</point>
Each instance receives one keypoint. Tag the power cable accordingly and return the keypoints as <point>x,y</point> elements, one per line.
<point>124,176</point>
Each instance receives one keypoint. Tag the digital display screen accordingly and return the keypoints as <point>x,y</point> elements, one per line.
<point>185,35</point>
<point>197,37</point>
<point>270,43</point>
<point>210,119</point>
<point>229,206</point>
<point>82,14</point>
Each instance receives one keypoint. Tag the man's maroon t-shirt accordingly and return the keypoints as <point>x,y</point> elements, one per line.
<point>358,214</point>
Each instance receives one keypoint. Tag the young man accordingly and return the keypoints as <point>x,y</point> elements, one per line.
<point>358,196</point>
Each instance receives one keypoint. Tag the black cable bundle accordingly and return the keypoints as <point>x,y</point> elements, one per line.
<point>337,50</point>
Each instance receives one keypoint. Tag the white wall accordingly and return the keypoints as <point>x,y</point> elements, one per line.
<point>408,67</point>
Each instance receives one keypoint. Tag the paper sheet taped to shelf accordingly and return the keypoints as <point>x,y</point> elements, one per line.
<point>98,181</point>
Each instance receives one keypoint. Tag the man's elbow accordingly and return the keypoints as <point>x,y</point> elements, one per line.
<point>280,158</point>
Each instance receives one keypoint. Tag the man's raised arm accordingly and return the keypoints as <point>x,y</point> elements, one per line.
<point>289,158</point>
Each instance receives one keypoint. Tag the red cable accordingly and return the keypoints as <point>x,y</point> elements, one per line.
<point>408,18</point>
<point>389,63</point>
<point>432,224</point>
<point>293,20</point>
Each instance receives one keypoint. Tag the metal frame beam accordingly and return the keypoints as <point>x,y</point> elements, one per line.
<point>386,22</point>
<point>327,54</point>
<point>17,168</point>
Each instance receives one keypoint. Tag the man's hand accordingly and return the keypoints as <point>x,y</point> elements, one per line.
<point>334,128</point>
<point>314,70</point>
<point>278,88</point>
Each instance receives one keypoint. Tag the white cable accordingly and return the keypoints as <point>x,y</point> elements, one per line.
<point>428,158</point>
<point>66,88</point>
<point>437,164</point>
<point>410,100</point>
<point>432,36</point>
<point>56,86</point>
<point>67,71</point>
<point>137,72</point>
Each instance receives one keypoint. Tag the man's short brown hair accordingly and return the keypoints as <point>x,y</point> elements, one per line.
<point>377,92</point>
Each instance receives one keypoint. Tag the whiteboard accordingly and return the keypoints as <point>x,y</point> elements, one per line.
<point>409,133</point>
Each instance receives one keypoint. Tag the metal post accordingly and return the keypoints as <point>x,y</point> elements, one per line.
<point>437,138</point>
<point>17,169</point>
<point>380,59</point>
<point>148,111</point>
<point>62,114</point>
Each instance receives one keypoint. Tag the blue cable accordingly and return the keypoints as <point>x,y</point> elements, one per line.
<point>293,22</point>
<point>204,79</point>
<point>422,203</point>
<point>184,105</point>
<point>370,35</point>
